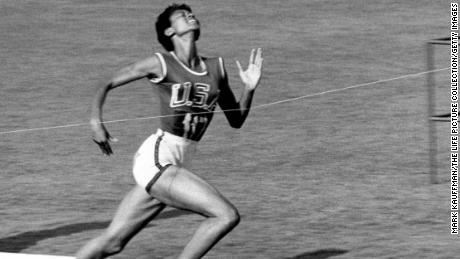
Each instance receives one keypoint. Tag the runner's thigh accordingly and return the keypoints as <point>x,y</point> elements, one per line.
<point>136,210</point>
<point>183,189</point>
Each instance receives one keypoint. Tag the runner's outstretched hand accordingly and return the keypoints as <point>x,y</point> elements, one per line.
<point>251,76</point>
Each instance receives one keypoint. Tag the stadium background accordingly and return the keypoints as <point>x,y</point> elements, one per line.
<point>342,175</point>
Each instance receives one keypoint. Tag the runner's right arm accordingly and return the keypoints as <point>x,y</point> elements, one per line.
<point>150,67</point>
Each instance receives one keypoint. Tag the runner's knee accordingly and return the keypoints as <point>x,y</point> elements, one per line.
<point>229,216</point>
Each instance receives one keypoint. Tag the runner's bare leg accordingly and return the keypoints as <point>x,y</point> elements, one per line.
<point>136,210</point>
<point>182,189</point>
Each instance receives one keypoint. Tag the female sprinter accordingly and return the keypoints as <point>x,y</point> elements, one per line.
<point>189,87</point>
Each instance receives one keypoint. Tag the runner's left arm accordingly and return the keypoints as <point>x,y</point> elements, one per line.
<point>236,112</point>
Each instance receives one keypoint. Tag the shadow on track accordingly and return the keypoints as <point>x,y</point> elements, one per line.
<point>17,243</point>
<point>319,254</point>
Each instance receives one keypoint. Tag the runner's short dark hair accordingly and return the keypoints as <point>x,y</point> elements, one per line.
<point>163,23</point>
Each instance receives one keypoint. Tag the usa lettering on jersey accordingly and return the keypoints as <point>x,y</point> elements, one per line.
<point>190,94</point>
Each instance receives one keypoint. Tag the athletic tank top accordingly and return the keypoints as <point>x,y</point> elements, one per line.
<point>188,98</point>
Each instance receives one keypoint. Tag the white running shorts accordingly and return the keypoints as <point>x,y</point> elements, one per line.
<point>157,153</point>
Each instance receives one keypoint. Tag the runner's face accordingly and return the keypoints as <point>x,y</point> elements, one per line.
<point>183,21</point>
